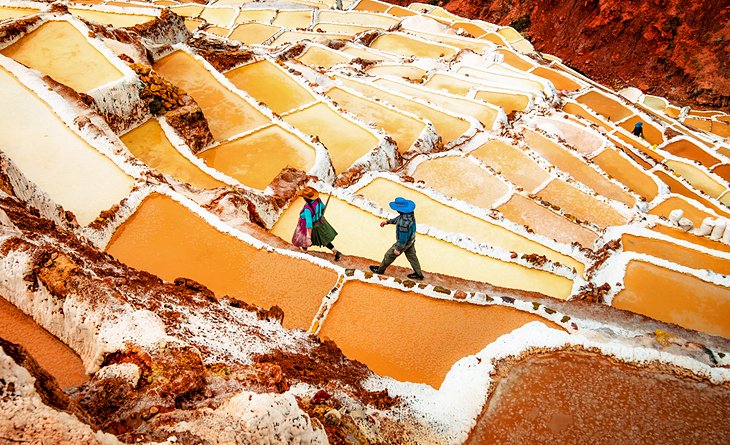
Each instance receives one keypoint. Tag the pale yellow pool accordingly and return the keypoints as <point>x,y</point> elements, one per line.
<point>258,15</point>
<point>64,166</point>
<point>410,47</point>
<point>11,13</point>
<point>219,16</point>
<point>257,158</point>
<point>581,205</point>
<point>118,20</point>
<point>359,18</point>
<point>297,36</point>
<point>58,49</point>
<point>559,80</point>
<point>605,106</point>
<point>408,71</point>
<point>697,178</point>
<point>324,57</point>
<point>227,113</point>
<point>509,102</point>
<point>619,168</point>
<point>253,33</point>
<point>513,163</point>
<point>298,19</point>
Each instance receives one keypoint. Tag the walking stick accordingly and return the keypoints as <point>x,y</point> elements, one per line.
<point>326,204</point>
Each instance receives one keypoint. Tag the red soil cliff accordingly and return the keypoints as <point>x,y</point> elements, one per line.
<point>673,48</point>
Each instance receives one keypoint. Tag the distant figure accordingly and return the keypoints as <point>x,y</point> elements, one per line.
<point>405,238</point>
<point>312,229</point>
<point>639,130</point>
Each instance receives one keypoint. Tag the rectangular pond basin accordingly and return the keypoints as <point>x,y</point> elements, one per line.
<point>448,219</point>
<point>462,179</point>
<point>511,58</point>
<point>256,15</point>
<point>118,20</point>
<point>149,144</point>
<point>358,18</point>
<point>404,129</point>
<point>575,167</point>
<point>504,76</point>
<point>298,36</point>
<point>477,45</point>
<point>346,141</point>
<point>509,102</point>
<point>627,173</point>
<point>167,239</point>
<point>219,16</point>
<point>675,297</point>
<point>270,84</point>
<point>369,5</point>
<point>360,235</point>
<point>581,205</point>
<point>461,86</point>
<point>480,111</point>
<point>69,170</point>
<point>691,211</point>
<point>698,178</point>
<point>694,239</point>
<point>448,126</point>
<point>543,399</point>
<point>605,106</point>
<point>296,19</point>
<point>366,53</point>
<point>376,326</point>
<point>679,188</point>
<point>512,163</point>
<point>560,81</point>
<point>545,222</point>
<point>675,253</point>
<point>58,49</point>
<point>410,72</point>
<point>686,149</point>
<point>256,158</point>
<point>651,133</point>
<point>340,28</point>
<point>410,47</point>
<point>12,13</point>
<point>472,28</point>
<point>228,114</point>
<point>253,33</point>
<point>579,110</point>
<point>320,56</point>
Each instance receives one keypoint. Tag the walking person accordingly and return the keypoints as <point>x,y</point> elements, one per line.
<point>312,228</point>
<point>638,130</point>
<point>405,238</point>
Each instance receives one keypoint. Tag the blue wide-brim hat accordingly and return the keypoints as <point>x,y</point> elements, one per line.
<point>403,205</point>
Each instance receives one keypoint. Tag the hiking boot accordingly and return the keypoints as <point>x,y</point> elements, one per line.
<point>375,269</point>
<point>338,255</point>
<point>415,276</point>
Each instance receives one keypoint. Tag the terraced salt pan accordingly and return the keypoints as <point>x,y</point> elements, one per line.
<point>675,297</point>
<point>321,56</point>
<point>694,239</point>
<point>116,19</point>
<point>472,28</point>
<point>690,210</point>
<point>411,47</point>
<point>511,58</point>
<point>346,141</point>
<point>579,110</point>
<point>58,49</point>
<point>369,5</point>
<point>462,179</point>
<point>366,53</point>
<point>675,253</point>
<point>340,28</point>
<point>149,144</point>
<point>54,157</point>
<point>476,45</point>
<point>187,10</point>
<point>512,163</point>
<point>581,205</point>
<point>622,170</point>
<point>357,18</point>
<point>699,179</point>
<point>360,234</point>
<point>436,214</point>
<point>461,86</point>
<point>268,83</point>
<point>256,158</point>
<point>578,136</point>
<point>561,81</point>
<point>408,71</point>
<point>546,398</point>
<point>509,102</point>
<point>253,33</point>
<point>297,19</point>
<point>484,113</point>
<point>11,13</point>
<point>448,126</point>
<point>298,36</point>
<point>53,355</point>
<point>228,114</point>
<point>258,15</point>
<point>376,325</point>
<point>401,127</point>
<point>167,239</point>
<point>575,167</point>
<point>500,75</point>
<point>400,12</point>
<point>605,106</point>
<point>680,188</point>
<point>219,16</point>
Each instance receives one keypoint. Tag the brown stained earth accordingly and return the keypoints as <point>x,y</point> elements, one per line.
<point>52,355</point>
<point>584,397</point>
<point>165,238</point>
<point>378,325</point>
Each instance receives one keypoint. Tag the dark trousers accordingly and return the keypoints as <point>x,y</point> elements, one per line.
<point>410,252</point>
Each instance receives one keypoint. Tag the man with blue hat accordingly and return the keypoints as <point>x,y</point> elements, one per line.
<point>405,238</point>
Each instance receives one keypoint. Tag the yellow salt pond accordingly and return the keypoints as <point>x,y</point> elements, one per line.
<point>399,11</point>
<point>118,20</point>
<point>366,53</point>
<point>694,239</point>
<point>652,134</point>
<point>253,33</point>
<point>578,110</point>
<point>697,178</point>
<point>219,16</point>
<point>408,71</point>
<point>256,159</point>
<point>167,239</point>
<point>581,205</point>
<point>345,140</point>
<point>559,80</point>
<point>462,179</point>
<point>675,297</point>
<point>376,326</point>
<point>575,167</point>
<point>677,187</point>
<point>340,28</point>
<point>403,128</point>
<point>270,84</point>
<point>476,45</point>
<point>511,58</point>
<point>298,36</point>
<point>605,106</point>
<point>499,75</point>
<point>545,222</point>
<point>410,47</point>
<point>460,86</point>
<point>369,5</point>
<point>686,149</point>
<point>675,253</point>
<point>257,15</point>
<point>320,56</point>
<point>58,49</point>
<point>64,166</point>
<point>149,144</point>
<point>513,163</point>
<point>360,234</point>
<point>227,113</point>
<point>11,13</point>
<point>691,212</point>
<point>509,102</point>
<point>472,28</point>
<point>187,10</point>
<point>435,214</point>
<point>448,126</point>
<point>627,173</point>
<point>298,19</point>
<point>359,18</point>
<point>479,111</point>
<point>217,30</point>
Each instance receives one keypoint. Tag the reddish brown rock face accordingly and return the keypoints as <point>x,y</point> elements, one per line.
<point>677,49</point>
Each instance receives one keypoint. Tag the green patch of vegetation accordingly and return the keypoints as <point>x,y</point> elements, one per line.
<point>522,23</point>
